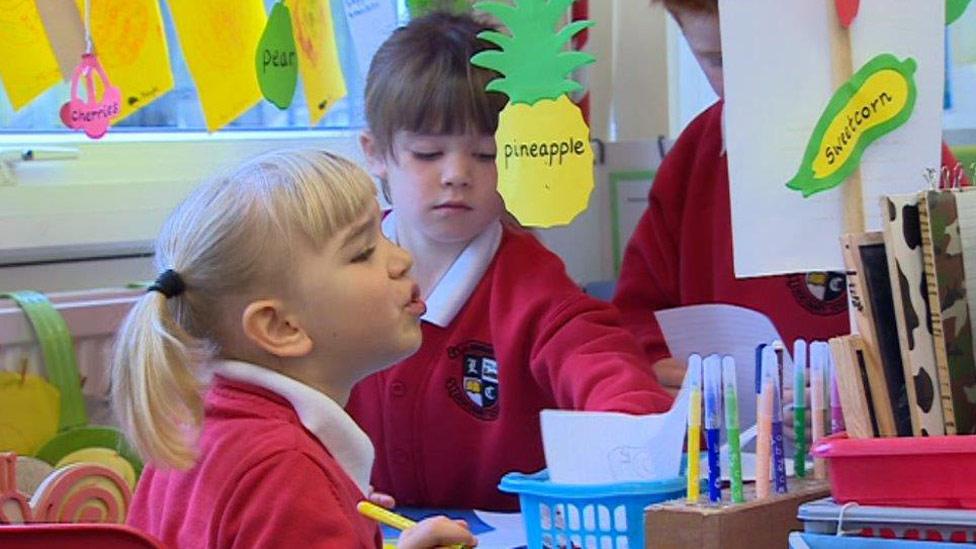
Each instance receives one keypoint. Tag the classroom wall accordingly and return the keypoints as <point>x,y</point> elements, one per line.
<point>629,87</point>
<point>629,83</point>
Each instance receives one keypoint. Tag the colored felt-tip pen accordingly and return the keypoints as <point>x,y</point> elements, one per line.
<point>713,423</point>
<point>694,426</point>
<point>770,367</point>
<point>800,407</point>
<point>818,404</point>
<point>836,410</point>
<point>731,397</point>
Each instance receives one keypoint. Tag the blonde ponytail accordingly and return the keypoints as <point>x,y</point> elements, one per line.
<point>155,391</point>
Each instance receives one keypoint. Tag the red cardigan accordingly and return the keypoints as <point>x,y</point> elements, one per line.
<point>452,419</point>
<point>261,481</point>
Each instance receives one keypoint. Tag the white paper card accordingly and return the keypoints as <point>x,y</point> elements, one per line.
<point>509,530</point>
<point>777,84</point>
<point>607,447</point>
<point>370,23</point>
<point>724,330</point>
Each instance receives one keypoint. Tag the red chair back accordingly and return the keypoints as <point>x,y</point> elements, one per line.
<point>75,536</point>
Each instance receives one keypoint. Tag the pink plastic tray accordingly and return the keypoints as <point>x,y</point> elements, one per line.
<point>902,472</point>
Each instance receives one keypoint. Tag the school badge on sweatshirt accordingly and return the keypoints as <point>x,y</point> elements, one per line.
<point>821,293</point>
<point>477,390</point>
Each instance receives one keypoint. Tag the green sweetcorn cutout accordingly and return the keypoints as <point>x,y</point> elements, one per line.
<point>805,180</point>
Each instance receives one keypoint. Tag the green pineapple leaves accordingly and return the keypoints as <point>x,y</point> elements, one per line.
<point>955,9</point>
<point>421,7</point>
<point>533,59</point>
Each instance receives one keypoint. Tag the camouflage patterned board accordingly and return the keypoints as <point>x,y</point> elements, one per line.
<point>952,333</point>
<point>903,247</point>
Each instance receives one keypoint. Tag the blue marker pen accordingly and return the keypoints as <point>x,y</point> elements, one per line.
<point>759,352</point>
<point>713,423</point>
<point>770,371</point>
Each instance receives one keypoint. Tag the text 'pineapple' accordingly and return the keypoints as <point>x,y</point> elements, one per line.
<point>549,152</point>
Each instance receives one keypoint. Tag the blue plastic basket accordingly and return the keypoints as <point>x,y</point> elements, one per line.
<point>601,516</point>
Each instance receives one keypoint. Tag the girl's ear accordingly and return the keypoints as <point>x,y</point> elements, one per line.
<point>269,326</point>
<point>375,157</point>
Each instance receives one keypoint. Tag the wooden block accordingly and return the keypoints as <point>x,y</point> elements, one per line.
<point>851,384</point>
<point>750,525</point>
<point>858,290</point>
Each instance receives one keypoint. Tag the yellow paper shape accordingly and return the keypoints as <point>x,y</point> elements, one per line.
<point>545,162</point>
<point>28,66</point>
<point>130,42</point>
<point>29,411</point>
<point>102,456</point>
<point>884,95</point>
<point>218,38</point>
<point>318,56</point>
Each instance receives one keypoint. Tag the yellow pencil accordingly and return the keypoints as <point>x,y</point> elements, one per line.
<point>384,516</point>
<point>389,518</point>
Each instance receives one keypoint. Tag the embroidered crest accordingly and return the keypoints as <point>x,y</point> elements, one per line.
<point>477,390</point>
<point>821,293</point>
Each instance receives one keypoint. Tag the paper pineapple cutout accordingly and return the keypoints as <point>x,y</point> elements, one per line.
<point>545,162</point>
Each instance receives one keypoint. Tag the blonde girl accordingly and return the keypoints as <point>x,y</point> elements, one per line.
<point>276,293</point>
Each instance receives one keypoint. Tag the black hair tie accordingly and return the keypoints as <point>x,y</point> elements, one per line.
<point>168,283</point>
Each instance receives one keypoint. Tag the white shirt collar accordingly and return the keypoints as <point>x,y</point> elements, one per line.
<point>321,415</point>
<point>454,288</point>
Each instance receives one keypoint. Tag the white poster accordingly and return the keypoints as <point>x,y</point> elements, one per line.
<point>777,85</point>
<point>370,23</point>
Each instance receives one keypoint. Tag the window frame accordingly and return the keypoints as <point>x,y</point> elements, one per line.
<point>111,200</point>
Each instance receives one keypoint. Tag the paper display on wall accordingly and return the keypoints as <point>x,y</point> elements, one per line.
<point>131,44</point>
<point>370,23</point>
<point>318,56</point>
<point>212,35</point>
<point>28,66</point>
<point>544,160</point>
<point>777,85</point>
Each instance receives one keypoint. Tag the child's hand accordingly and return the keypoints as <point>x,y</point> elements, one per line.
<point>670,373</point>
<point>437,532</point>
<point>385,501</point>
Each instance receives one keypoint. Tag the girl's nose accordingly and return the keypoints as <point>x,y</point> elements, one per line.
<point>400,261</point>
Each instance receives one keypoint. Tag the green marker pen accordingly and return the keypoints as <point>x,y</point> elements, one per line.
<point>800,407</point>
<point>729,390</point>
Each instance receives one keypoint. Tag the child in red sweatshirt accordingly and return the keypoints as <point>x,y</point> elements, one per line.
<point>507,333</point>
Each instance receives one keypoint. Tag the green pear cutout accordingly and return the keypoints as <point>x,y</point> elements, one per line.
<point>276,59</point>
